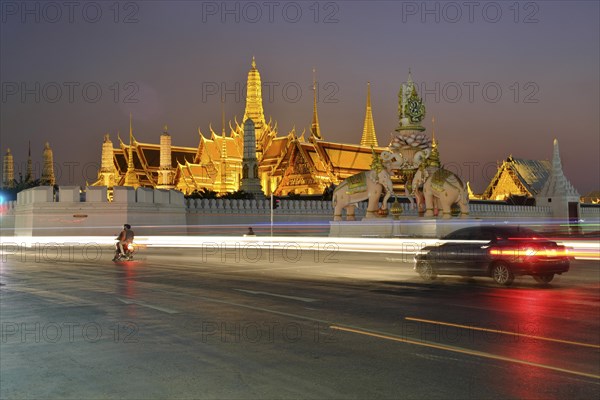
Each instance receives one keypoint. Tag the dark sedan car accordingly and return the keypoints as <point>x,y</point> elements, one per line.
<point>501,252</point>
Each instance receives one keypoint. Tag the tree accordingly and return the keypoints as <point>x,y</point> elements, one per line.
<point>10,193</point>
<point>520,200</point>
<point>204,193</point>
<point>240,194</point>
<point>328,192</point>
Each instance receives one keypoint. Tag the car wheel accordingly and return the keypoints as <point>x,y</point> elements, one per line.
<point>545,279</point>
<point>426,271</point>
<point>502,274</point>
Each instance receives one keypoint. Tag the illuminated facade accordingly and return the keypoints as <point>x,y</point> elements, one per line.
<point>286,164</point>
<point>8,170</point>
<point>48,178</point>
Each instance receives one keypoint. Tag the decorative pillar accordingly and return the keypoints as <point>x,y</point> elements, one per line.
<point>48,169</point>
<point>165,172</point>
<point>8,170</point>
<point>250,181</point>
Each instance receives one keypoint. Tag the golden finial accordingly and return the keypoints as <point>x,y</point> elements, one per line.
<point>368,137</point>
<point>222,117</point>
<point>165,128</point>
<point>253,62</point>
<point>315,129</point>
<point>433,142</point>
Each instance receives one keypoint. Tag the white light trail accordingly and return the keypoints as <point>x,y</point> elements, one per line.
<point>580,249</point>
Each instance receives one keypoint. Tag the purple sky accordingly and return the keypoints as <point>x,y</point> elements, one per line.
<point>173,56</point>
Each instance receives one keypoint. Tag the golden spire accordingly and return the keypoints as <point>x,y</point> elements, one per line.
<point>434,157</point>
<point>315,129</point>
<point>131,178</point>
<point>254,106</point>
<point>48,178</point>
<point>222,117</point>
<point>368,137</point>
<point>8,173</point>
<point>29,175</point>
<point>130,160</point>
<point>223,164</point>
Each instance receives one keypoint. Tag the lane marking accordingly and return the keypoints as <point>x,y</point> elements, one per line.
<point>273,269</point>
<point>143,304</point>
<point>475,328</point>
<point>304,299</point>
<point>464,351</point>
<point>54,297</point>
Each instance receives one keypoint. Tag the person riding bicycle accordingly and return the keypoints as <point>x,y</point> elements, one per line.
<point>124,238</point>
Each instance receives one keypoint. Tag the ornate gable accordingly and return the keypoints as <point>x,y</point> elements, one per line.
<point>518,176</point>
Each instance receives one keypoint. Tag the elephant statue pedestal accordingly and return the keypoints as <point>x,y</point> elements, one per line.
<point>404,227</point>
<point>376,228</point>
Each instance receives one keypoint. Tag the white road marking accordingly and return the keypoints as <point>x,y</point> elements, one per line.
<point>54,297</point>
<point>304,299</point>
<point>141,303</point>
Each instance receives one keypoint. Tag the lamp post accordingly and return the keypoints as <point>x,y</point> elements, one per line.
<point>271,214</point>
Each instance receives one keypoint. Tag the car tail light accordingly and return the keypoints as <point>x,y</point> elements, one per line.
<point>517,252</point>
<point>530,252</point>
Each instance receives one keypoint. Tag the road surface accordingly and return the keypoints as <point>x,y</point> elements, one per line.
<point>233,324</point>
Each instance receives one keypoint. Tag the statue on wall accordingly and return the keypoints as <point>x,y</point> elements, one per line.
<point>441,189</point>
<point>368,185</point>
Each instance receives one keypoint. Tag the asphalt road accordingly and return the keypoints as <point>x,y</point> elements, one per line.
<point>315,325</point>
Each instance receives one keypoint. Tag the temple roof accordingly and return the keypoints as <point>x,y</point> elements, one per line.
<point>347,157</point>
<point>532,173</point>
<point>276,148</point>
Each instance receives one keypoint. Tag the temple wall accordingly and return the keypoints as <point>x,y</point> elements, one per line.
<point>233,216</point>
<point>590,213</point>
<point>298,208</point>
<point>150,212</point>
<point>7,218</point>
<point>38,212</point>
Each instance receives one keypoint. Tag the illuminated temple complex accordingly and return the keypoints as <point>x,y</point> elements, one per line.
<point>287,164</point>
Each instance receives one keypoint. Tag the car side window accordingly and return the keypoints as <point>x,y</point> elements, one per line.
<point>461,234</point>
<point>488,234</point>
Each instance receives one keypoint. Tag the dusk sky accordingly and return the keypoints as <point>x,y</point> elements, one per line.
<point>500,78</point>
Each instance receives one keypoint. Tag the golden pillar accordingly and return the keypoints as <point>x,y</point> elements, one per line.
<point>48,169</point>
<point>8,170</point>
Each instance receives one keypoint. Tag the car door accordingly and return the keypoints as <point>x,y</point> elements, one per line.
<point>467,253</point>
<point>478,252</point>
<point>458,252</point>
